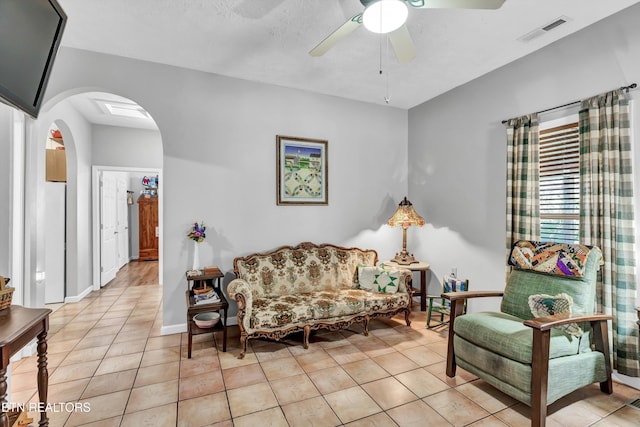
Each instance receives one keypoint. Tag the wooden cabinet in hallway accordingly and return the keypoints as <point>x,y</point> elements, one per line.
<point>148,228</point>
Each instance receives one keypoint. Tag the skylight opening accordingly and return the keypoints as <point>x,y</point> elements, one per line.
<point>127,110</point>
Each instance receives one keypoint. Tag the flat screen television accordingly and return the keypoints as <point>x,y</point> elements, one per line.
<point>30,34</point>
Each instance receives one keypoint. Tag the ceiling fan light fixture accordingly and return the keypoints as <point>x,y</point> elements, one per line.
<point>385,16</point>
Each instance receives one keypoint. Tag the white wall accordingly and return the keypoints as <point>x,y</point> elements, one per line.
<point>5,188</point>
<point>126,147</point>
<point>218,138</point>
<point>457,143</point>
<point>76,132</point>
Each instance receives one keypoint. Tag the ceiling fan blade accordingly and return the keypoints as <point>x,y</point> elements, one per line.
<point>402,44</point>
<point>337,35</point>
<point>455,4</point>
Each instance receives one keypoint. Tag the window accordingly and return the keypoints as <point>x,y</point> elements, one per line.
<point>560,181</point>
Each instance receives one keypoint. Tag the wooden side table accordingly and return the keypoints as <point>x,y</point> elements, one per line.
<point>422,267</point>
<point>211,280</point>
<point>18,326</point>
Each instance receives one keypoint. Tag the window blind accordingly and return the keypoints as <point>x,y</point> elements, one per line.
<point>560,183</point>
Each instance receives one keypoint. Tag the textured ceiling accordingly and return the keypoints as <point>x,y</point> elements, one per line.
<point>269,40</point>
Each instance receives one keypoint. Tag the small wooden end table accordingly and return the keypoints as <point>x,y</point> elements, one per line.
<point>211,280</point>
<point>422,267</point>
<point>18,326</point>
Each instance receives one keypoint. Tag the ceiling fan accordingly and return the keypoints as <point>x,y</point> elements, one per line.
<point>389,16</point>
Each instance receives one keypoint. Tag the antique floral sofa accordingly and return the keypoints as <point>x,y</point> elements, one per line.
<point>309,286</point>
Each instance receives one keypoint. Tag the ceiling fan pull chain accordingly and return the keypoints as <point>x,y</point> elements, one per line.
<point>387,97</point>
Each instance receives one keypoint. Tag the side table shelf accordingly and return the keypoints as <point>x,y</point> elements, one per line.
<point>210,280</point>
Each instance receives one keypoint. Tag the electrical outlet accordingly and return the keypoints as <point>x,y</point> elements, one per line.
<point>454,271</point>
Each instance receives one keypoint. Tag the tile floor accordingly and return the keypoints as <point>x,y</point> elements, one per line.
<point>107,351</point>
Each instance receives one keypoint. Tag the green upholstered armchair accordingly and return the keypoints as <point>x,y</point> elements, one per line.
<point>538,358</point>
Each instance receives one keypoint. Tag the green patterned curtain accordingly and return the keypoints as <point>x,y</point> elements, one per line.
<point>607,219</point>
<point>523,177</point>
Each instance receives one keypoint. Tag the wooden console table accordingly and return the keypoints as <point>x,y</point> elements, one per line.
<point>211,280</point>
<point>18,326</point>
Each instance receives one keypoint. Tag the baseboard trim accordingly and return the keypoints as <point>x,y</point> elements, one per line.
<point>79,297</point>
<point>173,329</point>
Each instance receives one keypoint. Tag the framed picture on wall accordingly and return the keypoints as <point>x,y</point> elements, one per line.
<point>302,174</point>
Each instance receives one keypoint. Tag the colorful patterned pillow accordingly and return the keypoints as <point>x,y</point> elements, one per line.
<point>543,305</point>
<point>561,259</point>
<point>378,279</point>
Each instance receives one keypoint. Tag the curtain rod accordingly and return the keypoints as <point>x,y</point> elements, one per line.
<point>625,88</point>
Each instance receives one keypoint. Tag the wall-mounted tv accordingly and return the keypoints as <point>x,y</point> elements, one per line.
<point>30,34</point>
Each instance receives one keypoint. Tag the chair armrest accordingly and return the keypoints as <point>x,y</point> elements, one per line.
<point>546,323</point>
<point>461,295</point>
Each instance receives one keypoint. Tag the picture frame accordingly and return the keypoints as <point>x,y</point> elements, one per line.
<point>302,171</point>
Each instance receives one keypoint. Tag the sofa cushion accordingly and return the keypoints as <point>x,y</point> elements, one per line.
<point>274,312</point>
<point>335,303</point>
<point>543,305</point>
<point>508,336</point>
<point>378,302</point>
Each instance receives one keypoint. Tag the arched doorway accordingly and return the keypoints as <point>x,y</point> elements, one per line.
<point>86,130</point>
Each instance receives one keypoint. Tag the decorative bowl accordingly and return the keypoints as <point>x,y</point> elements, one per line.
<point>207,319</point>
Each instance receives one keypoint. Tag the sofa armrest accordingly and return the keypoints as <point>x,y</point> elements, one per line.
<point>546,323</point>
<point>405,279</point>
<point>243,292</point>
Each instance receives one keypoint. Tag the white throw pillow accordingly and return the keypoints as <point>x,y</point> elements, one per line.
<point>378,279</point>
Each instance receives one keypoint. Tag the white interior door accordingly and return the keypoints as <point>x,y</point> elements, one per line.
<point>122,220</point>
<point>108,227</point>
<point>55,202</point>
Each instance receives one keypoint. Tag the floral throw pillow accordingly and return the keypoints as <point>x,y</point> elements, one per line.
<point>378,279</point>
<point>542,305</point>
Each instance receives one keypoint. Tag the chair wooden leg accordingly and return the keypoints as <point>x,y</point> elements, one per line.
<point>429,311</point>
<point>601,341</point>
<point>539,377</point>
<point>456,310</point>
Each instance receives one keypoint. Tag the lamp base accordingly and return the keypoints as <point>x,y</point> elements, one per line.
<point>404,258</point>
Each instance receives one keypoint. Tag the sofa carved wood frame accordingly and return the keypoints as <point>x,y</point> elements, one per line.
<point>329,324</point>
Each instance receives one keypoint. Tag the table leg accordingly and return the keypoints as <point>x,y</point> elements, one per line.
<point>190,339</point>
<point>4,419</point>
<point>43,378</point>
<point>224,332</point>
<point>423,290</point>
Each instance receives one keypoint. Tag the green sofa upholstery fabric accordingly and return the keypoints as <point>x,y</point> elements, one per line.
<point>522,283</point>
<point>514,378</point>
<point>507,336</point>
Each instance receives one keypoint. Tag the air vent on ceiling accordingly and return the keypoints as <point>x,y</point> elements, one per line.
<point>544,29</point>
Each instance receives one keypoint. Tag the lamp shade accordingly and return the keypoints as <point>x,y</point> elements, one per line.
<point>405,216</point>
<point>384,16</point>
